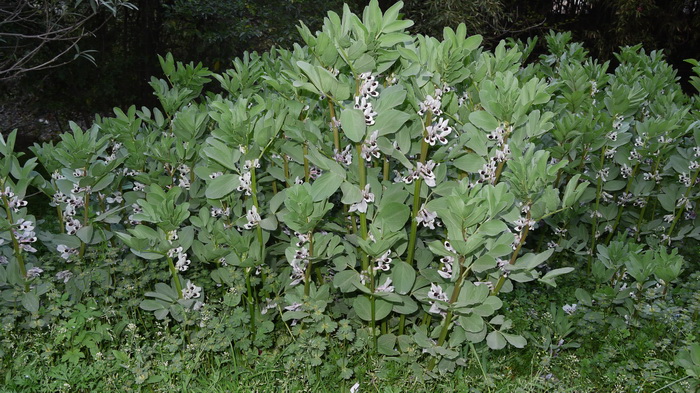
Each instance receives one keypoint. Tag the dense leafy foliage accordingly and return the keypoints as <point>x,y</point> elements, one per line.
<point>382,188</point>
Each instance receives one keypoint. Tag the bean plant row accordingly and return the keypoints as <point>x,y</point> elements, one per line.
<point>369,182</point>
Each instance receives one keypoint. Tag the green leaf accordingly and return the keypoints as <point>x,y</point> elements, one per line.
<point>390,121</point>
<point>345,280</point>
<point>392,216</point>
<point>222,186</point>
<point>484,120</point>
<point>353,123</point>
<point>30,301</point>
<point>472,323</point>
<point>386,343</point>
<point>552,274</point>
<point>403,276</point>
<point>517,341</point>
<point>363,307</point>
<point>325,186</point>
<point>495,340</point>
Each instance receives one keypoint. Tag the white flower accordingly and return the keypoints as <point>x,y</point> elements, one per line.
<point>625,171</point>
<point>245,183</point>
<point>64,275</point>
<point>386,287</point>
<point>446,270</point>
<point>172,236</point>
<point>369,85</point>
<point>115,198</point>
<point>383,262</point>
<point>344,157</point>
<point>191,291</point>
<point>365,106</point>
<point>215,175</point>
<point>427,218</point>
<point>66,251</point>
<point>355,388</point>
<point>437,132</point>
<point>253,218</point>
<point>430,104</point>
<point>367,197</point>
<point>570,309</point>
<point>370,148</point>
<point>436,293</point>
<point>34,272</point>
<point>254,163</point>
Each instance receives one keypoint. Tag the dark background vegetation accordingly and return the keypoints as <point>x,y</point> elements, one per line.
<point>215,31</point>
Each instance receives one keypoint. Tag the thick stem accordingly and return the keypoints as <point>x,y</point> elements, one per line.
<point>640,221</point>
<point>307,172</point>
<point>86,216</point>
<point>307,273</point>
<point>619,213</point>
<point>176,277</point>
<point>15,242</point>
<point>254,192</point>
<point>682,208</point>
<point>336,135</point>
<point>416,194</point>
<point>251,302</point>
<point>448,318</point>
<point>514,256</point>
<point>594,226</point>
<point>363,217</point>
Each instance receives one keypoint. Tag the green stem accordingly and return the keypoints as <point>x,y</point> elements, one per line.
<point>363,216</point>
<point>416,194</point>
<point>15,242</point>
<point>640,221</point>
<point>176,277</point>
<point>254,192</point>
<point>620,210</point>
<point>251,303</point>
<point>86,216</point>
<point>448,318</point>
<point>307,273</point>
<point>336,135</point>
<point>682,208</point>
<point>307,172</point>
<point>514,256</point>
<point>594,226</point>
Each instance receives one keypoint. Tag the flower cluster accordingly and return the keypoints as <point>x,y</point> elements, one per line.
<point>343,157</point>
<point>383,262</point>
<point>183,176</point>
<point>182,263</point>
<point>446,269</point>
<point>24,232</point>
<point>369,85</point>
<point>436,293</point>
<point>369,147</point>
<point>14,202</point>
<point>300,260</point>
<point>363,104</point>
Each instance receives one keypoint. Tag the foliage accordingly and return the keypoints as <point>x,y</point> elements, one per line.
<point>368,191</point>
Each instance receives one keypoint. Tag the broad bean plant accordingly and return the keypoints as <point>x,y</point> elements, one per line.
<point>370,184</point>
